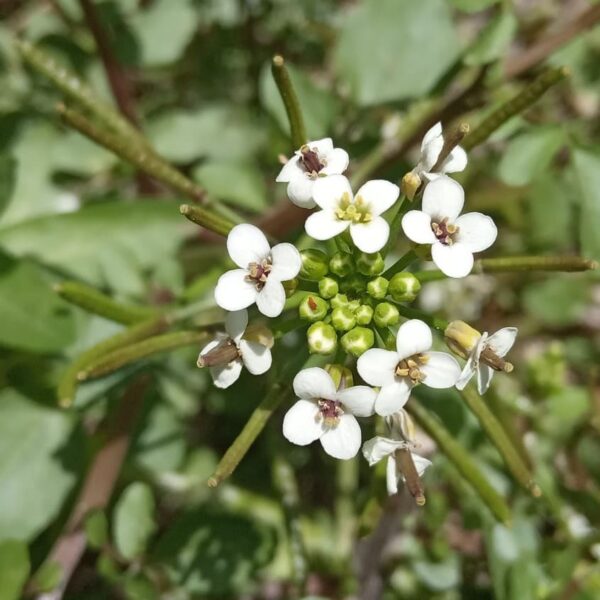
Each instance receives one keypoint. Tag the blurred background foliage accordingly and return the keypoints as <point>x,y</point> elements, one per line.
<point>369,73</point>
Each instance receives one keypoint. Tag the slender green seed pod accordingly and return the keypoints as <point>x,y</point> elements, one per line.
<point>358,340</point>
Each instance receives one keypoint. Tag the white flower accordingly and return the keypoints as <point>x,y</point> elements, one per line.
<point>235,351</point>
<point>453,238</point>
<point>379,447</point>
<point>313,161</point>
<point>500,343</point>
<point>361,213</point>
<point>262,269</point>
<point>412,363</point>
<point>431,146</point>
<point>325,414</point>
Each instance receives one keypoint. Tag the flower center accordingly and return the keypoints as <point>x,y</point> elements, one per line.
<point>311,161</point>
<point>410,367</point>
<point>330,412</point>
<point>357,210</point>
<point>259,272</point>
<point>444,231</point>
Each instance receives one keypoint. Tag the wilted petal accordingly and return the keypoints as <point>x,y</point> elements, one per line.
<point>484,378</point>
<point>414,336</point>
<point>472,362</point>
<point>442,198</point>
<point>391,476</point>
<point>421,463</point>
<point>441,370</point>
<point>431,153</point>
<point>290,170</point>
<point>343,440</point>
<point>323,146</point>
<point>236,323</point>
<point>337,162</point>
<point>233,292</point>
<point>255,356</point>
<point>314,382</point>
<point>502,341</point>
<point>379,194</point>
<point>271,298</point>
<point>247,243</point>
<point>392,398</point>
<point>323,225</point>
<point>476,231</point>
<point>417,227</point>
<point>370,237</point>
<point>377,366</point>
<point>358,400</point>
<point>301,425</point>
<point>456,162</point>
<point>432,133</point>
<point>226,375</point>
<point>454,261</point>
<point>286,262</point>
<point>328,190</point>
<point>300,191</point>
<point>379,447</point>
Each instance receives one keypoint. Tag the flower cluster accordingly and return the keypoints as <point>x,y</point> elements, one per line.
<point>354,309</point>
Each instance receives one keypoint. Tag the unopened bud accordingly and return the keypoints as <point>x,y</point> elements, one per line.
<point>386,314</point>
<point>314,264</point>
<point>328,287</point>
<point>363,314</point>
<point>313,308</point>
<point>259,333</point>
<point>461,338</point>
<point>370,264</point>
<point>290,286</point>
<point>353,284</point>
<point>411,183</point>
<point>342,376</point>
<point>342,318</point>
<point>377,288</point>
<point>358,340</point>
<point>339,300</point>
<point>341,264</point>
<point>321,338</point>
<point>404,287</point>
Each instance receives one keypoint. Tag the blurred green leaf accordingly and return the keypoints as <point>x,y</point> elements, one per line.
<point>14,569</point>
<point>492,42</point>
<point>25,291</point>
<point>96,529</point>
<point>473,5</point>
<point>587,169</point>
<point>133,520</point>
<point>39,462</point>
<point>439,576</point>
<point>139,587</point>
<point>47,577</point>
<point>8,166</point>
<point>564,411</point>
<point>395,49</point>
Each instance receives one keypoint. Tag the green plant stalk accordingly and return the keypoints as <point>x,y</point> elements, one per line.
<point>94,301</point>
<point>67,385</point>
<point>400,264</point>
<point>508,264</point>
<point>290,101</point>
<point>207,219</point>
<point>516,105</point>
<point>414,313</point>
<point>403,205</point>
<point>495,431</point>
<point>461,460</point>
<point>121,357</point>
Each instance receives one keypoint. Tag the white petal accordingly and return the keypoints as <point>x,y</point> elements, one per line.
<point>323,146</point>
<point>413,337</point>
<point>484,378</point>
<point>379,447</point>
<point>323,225</point>
<point>327,191</point>
<point>391,476</point>
<point>212,344</point>
<point>286,262</point>
<point>233,292</point>
<point>290,170</point>
<point>300,191</point>
<point>337,162</point>
<point>343,440</point>
<point>370,237</point>
<point>379,194</point>
<point>301,425</point>
<point>358,400</point>
<point>314,382</point>
<point>247,243</point>
<point>476,231</point>
<point>255,356</point>
<point>502,341</point>
<point>377,366</point>
<point>454,261</point>
<point>392,398</point>
<point>236,323</point>
<point>421,463</point>
<point>417,227</point>
<point>472,362</point>
<point>271,298</point>
<point>443,197</point>
<point>225,376</point>
<point>441,370</point>
<point>457,161</point>
<point>431,153</point>
<point>434,132</point>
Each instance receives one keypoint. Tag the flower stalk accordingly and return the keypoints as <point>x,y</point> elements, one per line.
<point>208,220</point>
<point>401,264</point>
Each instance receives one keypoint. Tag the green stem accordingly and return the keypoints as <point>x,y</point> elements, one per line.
<point>461,460</point>
<point>206,219</point>
<point>96,302</point>
<point>401,264</point>
<point>495,431</point>
<point>290,101</point>
<point>414,313</point>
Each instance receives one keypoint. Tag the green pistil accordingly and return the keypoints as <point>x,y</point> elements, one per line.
<point>357,211</point>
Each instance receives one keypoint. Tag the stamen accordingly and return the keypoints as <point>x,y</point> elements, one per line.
<point>311,161</point>
<point>410,367</point>
<point>444,231</point>
<point>330,412</point>
<point>357,210</point>
<point>259,272</point>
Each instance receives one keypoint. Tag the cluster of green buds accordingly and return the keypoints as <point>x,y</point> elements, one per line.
<point>352,301</point>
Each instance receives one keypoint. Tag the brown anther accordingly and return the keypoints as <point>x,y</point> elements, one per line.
<point>311,160</point>
<point>444,231</point>
<point>410,367</point>
<point>415,374</point>
<point>258,273</point>
<point>330,412</point>
<point>219,356</point>
<point>490,358</point>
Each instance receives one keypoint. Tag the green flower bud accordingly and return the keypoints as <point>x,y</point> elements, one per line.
<point>353,284</point>
<point>353,305</point>
<point>339,300</point>
<point>342,376</point>
<point>342,318</point>
<point>377,288</point>
<point>322,338</point>
<point>358,340</point>
<point>328,287</point>
<point>290,286</point>
<point>341,264</point>
<point>314,264</point>
<point>313,308</point>
<point>404,287</point>
<point>363,314</point>
<point>370,264</point>
<point>386,314</point>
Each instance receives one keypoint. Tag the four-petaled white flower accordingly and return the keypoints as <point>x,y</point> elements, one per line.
<point>326,414</point>
<point>379,447</point>
<point>231,352</point>
<point>431,146</point>
<point>313,161</point>
<point>361,213</point>
<point>398,372</point>
<point>262,269</point>
<point>453,238</point>
<point>499,343</point>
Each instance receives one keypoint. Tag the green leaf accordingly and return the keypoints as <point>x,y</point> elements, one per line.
<point>8,166</point>
<point>39,463</point>
<point>96,529</point>
<point>471,6</point>
<point>439,576</point>
<point>25,290</point>
<point>14,569</point>
<point>529,154</point>
<point>395,49</point>
<point>134,520</point>
<point>241,185</point>
<point>492,42</point>
<point>587,170</point>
